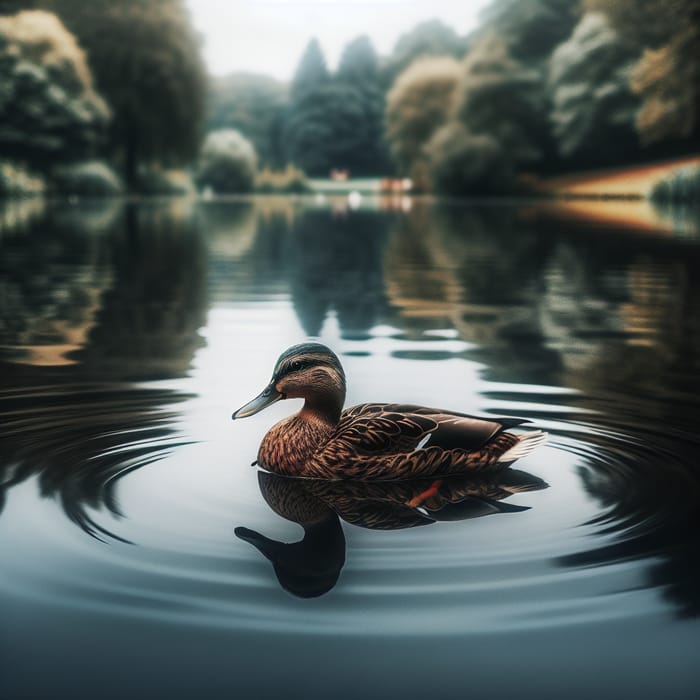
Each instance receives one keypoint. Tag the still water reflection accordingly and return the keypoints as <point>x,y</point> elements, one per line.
<point>128,333</point>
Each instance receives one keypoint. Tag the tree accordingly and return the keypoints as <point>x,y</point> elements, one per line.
<point>667,76</point>
<point>228,162</point>
<point>531,29</point>
<point>326,128</point>
<point>430,38</point>
<point>419,103</point>
<point>145,56</point>
<point>358,70</point>
<point>311,72</point>
<point>593,108</point>
<point>501,97</point>
<point>49,111</point>
<point>307,131</point>
<point>255,105</point>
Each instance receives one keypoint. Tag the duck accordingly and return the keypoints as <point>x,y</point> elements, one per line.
<point>372,441</point>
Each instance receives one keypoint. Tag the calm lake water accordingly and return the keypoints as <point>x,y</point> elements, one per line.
<point>129,510</point>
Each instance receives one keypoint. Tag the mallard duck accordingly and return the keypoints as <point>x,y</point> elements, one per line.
<point>372,441</point>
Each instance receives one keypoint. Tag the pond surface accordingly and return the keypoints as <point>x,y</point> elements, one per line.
<point>142,555</point>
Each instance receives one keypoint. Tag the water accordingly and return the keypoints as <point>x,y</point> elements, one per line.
<point>131,518</point>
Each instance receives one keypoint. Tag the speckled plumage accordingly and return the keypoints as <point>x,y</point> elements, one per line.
<point>372,441</point>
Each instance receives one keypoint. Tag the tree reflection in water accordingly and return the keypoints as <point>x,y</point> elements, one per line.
<point>71,416</point>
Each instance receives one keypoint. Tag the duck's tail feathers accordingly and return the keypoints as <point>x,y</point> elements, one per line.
<point>526,444</point>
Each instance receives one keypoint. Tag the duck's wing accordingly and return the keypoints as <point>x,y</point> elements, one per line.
<point>395,428</point>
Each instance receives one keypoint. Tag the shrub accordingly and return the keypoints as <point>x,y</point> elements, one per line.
<point>291,180</point>
<point>227,163</point>
<point>90,178</point>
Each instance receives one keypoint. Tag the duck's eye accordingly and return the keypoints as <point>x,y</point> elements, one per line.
<point>296,365</point>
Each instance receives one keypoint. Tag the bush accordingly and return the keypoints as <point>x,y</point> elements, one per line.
<point>15,181</point>
<point>462,163</point>
<point>164,182</point>
<point>227,163</point>
<point>682,186</point>
<point>91,178</point>
<point>291,180</point>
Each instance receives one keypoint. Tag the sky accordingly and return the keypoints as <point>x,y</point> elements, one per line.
<point>269,36</point>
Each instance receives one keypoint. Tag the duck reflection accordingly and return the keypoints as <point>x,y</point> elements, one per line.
<point>311,567</point>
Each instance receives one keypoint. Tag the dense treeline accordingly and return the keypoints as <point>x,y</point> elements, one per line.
<point>539,87</point>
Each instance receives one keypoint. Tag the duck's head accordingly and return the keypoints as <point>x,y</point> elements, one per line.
<point>309,371</point>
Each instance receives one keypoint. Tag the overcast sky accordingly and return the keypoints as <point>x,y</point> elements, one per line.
<point>268,36</point>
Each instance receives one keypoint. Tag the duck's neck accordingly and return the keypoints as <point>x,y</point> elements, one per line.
<point>322,409</point>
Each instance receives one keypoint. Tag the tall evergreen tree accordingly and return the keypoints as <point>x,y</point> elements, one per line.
<point>311,73</point>
<point>358,71</point>
<point>307,127</point>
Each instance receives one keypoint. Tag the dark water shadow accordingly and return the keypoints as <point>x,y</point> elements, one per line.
<point>311,567</point>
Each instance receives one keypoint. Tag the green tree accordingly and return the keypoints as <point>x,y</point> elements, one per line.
<point>49,111</point>
<point>418,104</point>
<point>255,105</point>
<point>532,29</point>
<point>145,57</point>
<point>593,108</point>
<point>358,70</point>
<point>667,76</point>
<point>311,73</point>
<point>503,98</point>
<point>307,129</point>
<point>430,38</point>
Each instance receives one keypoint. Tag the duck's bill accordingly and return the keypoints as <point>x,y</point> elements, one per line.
<point>268,396</point>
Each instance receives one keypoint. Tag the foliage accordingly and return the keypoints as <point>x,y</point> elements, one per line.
<point>359,71</point>
<point>255,105</point>
<point>668,81</point>
<point>89,178</point>
<point>334,122</point>
<point>430,38</point>
<point>667,77</point>
<point>227,162</point>
<point>49,111</point>
<point>464,163</point>
<point>593,108</point>
<point>682,186</point>
<point>532,29</point>
<point>291,180</point>
<point>311,73</point>
<point>503,98</point>
<point>419,102</point>
<point>16,181</point>
<point>145,57</point>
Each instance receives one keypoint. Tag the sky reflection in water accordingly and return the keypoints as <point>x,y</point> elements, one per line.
<point>130,332</point>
